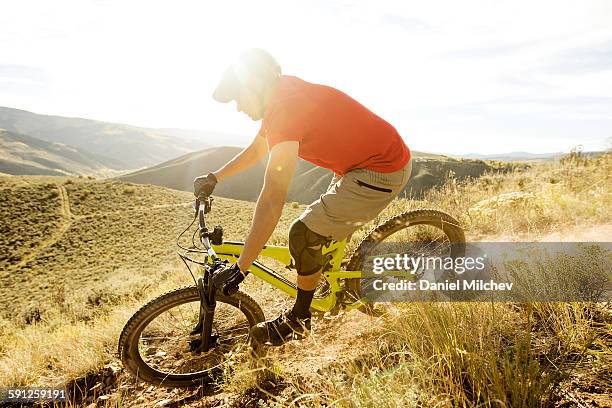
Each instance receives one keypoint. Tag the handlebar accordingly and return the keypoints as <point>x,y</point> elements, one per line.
<point>203,205</point>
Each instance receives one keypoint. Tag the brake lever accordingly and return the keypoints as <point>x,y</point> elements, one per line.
<point>207,202</point>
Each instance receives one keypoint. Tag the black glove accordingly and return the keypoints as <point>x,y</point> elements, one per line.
<point>204,185</point>
<point>228,278</point>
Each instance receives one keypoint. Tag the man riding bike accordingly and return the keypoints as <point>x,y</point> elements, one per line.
<point>326,127</point>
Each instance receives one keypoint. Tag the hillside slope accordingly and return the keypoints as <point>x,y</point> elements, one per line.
<point>309,181</point>
<point>65,236</point>
<point>123,146</point>
<point>23,154</point>
<point>84,255</point>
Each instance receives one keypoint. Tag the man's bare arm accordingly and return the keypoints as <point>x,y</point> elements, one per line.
<point>281,166</point>
<point>243,160</point>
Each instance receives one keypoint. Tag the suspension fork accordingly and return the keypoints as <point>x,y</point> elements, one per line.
<point>207,313</point>
<point>208,305</point>
<point>205,286</point>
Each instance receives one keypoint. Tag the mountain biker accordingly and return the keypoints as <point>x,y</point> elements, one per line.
<point>326,127</point>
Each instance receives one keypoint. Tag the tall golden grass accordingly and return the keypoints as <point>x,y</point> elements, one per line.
<point>421,354</point>
<point>478,354</point>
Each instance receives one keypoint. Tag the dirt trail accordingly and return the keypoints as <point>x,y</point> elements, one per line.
<point>65,223</point>
<point>592,233</point>
<point>65,202</point>
<point>334,342</point>
<point>66,220</point>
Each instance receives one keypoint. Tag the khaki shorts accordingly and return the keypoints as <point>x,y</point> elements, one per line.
<point>352,200</point>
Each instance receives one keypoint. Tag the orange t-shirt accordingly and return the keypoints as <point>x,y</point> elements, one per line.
<point>334,130</point>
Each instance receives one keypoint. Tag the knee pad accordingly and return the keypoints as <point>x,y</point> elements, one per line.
<point>306,248</point>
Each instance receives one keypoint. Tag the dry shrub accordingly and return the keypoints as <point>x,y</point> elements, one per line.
<point>460,354</point>
<point>577,189</point>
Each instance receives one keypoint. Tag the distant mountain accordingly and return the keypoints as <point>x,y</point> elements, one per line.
<point>309,182</point>
<point>23,154</point>
<point>118,146</point>
<point>180,172</point>
<point>211,138</point>
<point>514,156</point>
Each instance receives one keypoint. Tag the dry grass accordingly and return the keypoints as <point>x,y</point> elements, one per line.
<point>573,192</point>
<point>456,355</point>
<point>72,297</point>
<point>442,354</point>
<point>464,354</point>
<point>27,214</point>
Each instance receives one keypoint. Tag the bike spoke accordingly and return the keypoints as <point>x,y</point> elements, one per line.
<point>166,347</point>
<point>241,327</point>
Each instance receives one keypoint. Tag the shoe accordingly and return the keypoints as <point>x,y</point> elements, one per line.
<point>279,331</point>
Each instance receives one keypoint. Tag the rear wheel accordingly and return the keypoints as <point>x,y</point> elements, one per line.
<point>156,343</point>
<point>428,232</point>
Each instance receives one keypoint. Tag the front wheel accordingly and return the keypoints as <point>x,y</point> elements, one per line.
<point>156,344</point>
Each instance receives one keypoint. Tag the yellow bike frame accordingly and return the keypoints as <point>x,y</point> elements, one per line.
<point>334,251</point>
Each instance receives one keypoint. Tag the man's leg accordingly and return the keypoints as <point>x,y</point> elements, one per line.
<point>306,248</point>
<point>308,284</point>
<point>349,202</point>
<point>306,288</point>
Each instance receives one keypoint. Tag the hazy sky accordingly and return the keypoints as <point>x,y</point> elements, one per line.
<point>452,76</point>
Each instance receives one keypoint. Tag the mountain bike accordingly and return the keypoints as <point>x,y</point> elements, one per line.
<point>186,337</point>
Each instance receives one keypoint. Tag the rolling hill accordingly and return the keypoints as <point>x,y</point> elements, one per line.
<point>52,227</point>
<point>309,181</point>
<point>119,146</point>
<point>23,154</point>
